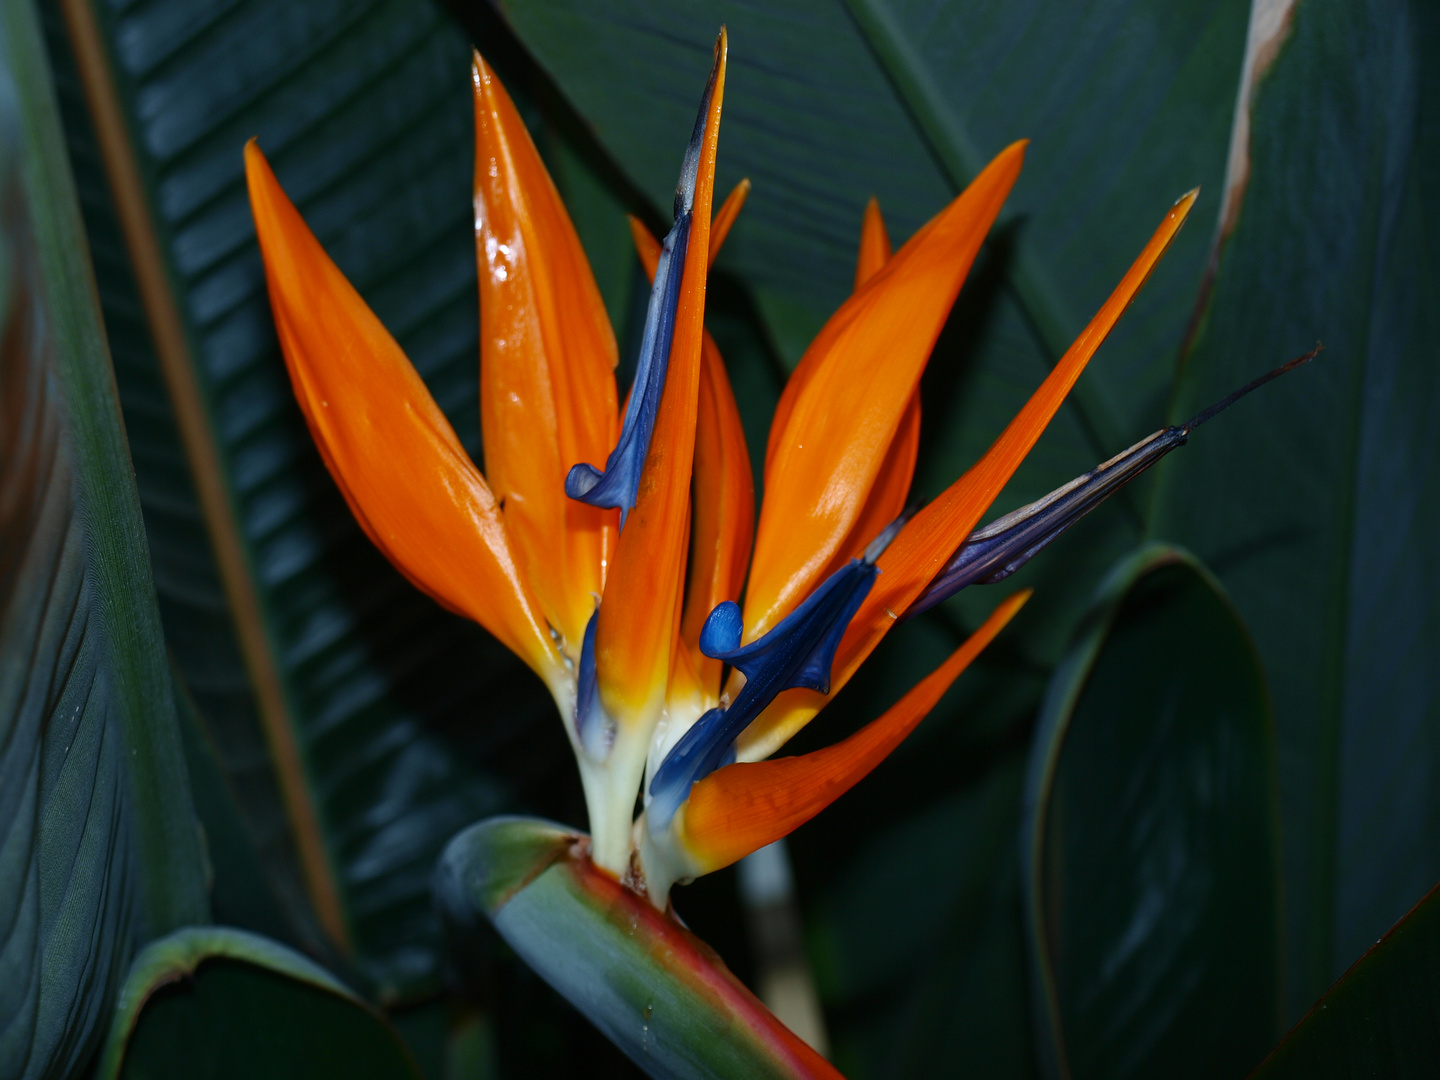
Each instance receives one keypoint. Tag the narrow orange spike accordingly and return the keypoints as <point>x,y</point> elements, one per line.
<point>874,244</point>
<point>723,523</point>
<point>874,254</point>
<point>634,635</point>
<point>743,807</point>
<point>867,363</point>
<point>390,449</point>
<point>725,217</point>
<point>547,359</point>
<point>648,248</point>
<point>723,507</point>
<point>931,537</point>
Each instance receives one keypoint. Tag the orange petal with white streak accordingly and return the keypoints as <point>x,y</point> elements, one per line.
<point>743,807</point>
<point>547,359</point>
<point>866,365</point>
<point>390,449</point>
<point>634,635</point>
<point>931,536</point>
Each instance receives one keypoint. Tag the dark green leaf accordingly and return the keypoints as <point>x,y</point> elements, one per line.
<point>1152,841</point>
<point>222,1003</point>
<point>98,844</point>
<point>1318,501</point>
<point>917,930</point>
<point>1381,1019</point>
<point>241,890</point>
<point>358,724</point>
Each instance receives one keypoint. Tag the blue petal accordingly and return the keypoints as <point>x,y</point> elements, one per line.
<point>995,552</point>
<point>798,652</point>
<point>616,486</point>
<point>593,725</point>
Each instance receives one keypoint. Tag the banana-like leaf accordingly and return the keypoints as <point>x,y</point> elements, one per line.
<point>1381,1018</point>
<point>99,850</point>
<point>1318,510</point>
<point>225,1003</point>
<point>358,725</point>
<point>1152,844</point>
<point>657,991</point>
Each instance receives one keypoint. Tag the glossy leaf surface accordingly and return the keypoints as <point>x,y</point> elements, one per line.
<point>1317,505</point>
<point>1381,1018</point>
<point>656,990</point>
<point>98,848</point>
<point>1151,838</point>
<point>220,1003</point>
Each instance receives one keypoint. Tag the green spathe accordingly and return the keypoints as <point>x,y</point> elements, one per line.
<point>658,992</point>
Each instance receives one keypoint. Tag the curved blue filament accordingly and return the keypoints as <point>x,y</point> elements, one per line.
<point>617,485</point>
<point>799,651</point>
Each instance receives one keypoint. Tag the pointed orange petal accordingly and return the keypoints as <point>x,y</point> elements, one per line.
<point>725,217</point>
<point>634,635</point>
<point>723,522</point>
<point>547,359</point>
<point>867,362</point>
<point>935,532</point>
<point>646,246</point>
<point>723,487</point>
<point>389,447</point>
<point>874,253</point>
<point>874,244</point>
<point>743,807</point>
<point>932,536</point>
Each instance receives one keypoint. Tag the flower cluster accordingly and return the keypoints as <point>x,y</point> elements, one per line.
<point>621,584</point>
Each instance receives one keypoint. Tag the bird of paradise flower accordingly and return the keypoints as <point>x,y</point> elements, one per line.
<point>620,585</point>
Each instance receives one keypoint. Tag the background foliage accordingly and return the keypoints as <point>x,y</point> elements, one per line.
<point>337,727</point>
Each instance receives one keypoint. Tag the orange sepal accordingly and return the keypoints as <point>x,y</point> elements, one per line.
<point>390,449</point>
<point>723,521</point>
<point>743,807</point>
<point>725,217</point>
<point>861,372</point>
<point>634,635</point>
<point>547,359</point>
<point>931,537</point>
<point>874,244</point>
<point>723,507</point>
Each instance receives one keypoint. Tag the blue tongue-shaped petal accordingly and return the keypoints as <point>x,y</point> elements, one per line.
<point>799,651</point>
<point>617,485</point>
